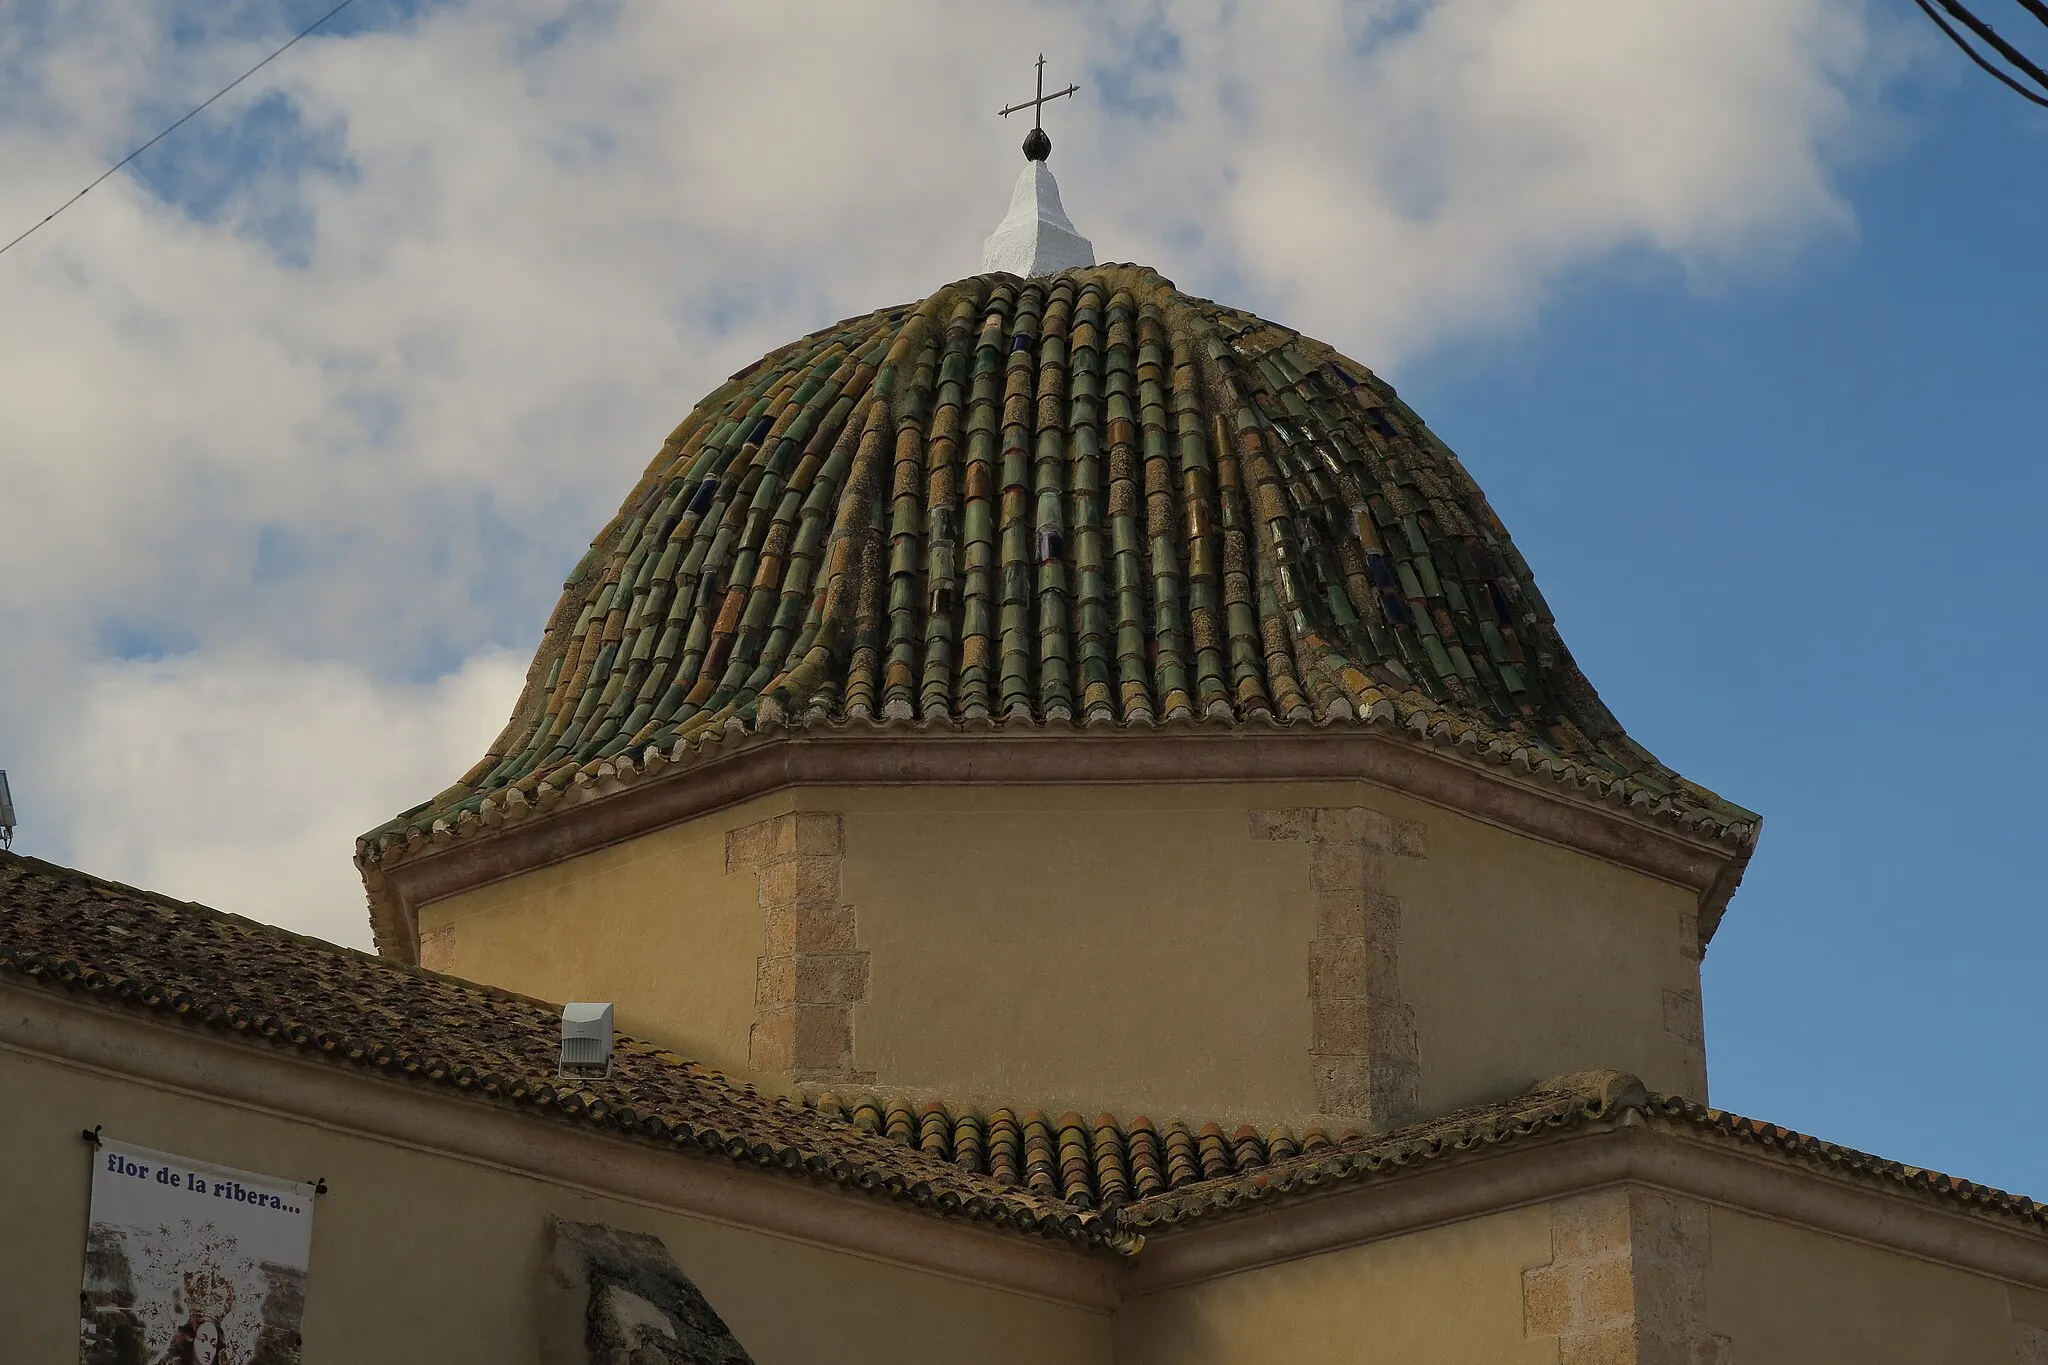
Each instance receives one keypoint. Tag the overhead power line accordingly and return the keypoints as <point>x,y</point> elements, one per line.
<point>2031,82</point>
<point>181,122</point>
<point>2033,87</point>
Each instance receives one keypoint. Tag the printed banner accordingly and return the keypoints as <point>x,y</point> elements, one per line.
<point>188,1263</point>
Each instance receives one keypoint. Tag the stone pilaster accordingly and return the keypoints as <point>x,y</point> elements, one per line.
<point>1683,1016</point>
<point>1684,1020</point>
<point>811,972</point>
<point>1362,1030</point>
<point>1626,1282</point>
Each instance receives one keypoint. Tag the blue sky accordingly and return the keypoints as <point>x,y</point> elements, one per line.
<point>1792,528</point>
<point>1727,306</point>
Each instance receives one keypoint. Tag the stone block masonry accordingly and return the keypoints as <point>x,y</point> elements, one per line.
<point>811,972</point>
<point>1684,1018</point>
<point>1362,1030</point>
<point>1626,1282</point>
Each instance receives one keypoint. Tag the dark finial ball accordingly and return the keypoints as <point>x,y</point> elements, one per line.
<point>1037,146</point>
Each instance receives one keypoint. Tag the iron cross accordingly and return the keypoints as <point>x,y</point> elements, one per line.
<point>1036,106</point>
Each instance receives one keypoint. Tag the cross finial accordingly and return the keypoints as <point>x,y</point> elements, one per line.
<point>1037,146</point>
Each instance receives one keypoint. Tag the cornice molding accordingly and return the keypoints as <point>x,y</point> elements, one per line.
<point>129,1048</point>
<point>1639,1152</point>
<point>597,815</point>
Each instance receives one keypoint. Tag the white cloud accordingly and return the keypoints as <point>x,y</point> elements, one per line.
<point>242,780</point>
<point>1390,194</point>
<point>367,407</point>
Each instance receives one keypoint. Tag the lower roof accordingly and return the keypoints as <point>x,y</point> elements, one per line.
<point>1099,1184</point>
<point>249,981</point>
<point>1157,1175</point>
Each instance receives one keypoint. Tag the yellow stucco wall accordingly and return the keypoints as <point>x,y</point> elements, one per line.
<point>1130,949</point>
<point>1444,1296</point>
<point>654,925</point>
<point>1785,1295</point>
<point>1095,949</point>
<point>1573,1280</point>
<point>422,1259</point>
<point>1524,960</point>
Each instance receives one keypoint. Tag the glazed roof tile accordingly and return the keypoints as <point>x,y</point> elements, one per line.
<point>1085,500</point>
<point>250,981</point>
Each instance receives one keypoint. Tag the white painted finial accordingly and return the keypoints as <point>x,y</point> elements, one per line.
<point>1036,237</point>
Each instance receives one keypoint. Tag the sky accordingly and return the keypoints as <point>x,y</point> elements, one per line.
<point>1728,306</point>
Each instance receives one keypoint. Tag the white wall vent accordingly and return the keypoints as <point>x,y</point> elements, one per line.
<point>586,1040</point>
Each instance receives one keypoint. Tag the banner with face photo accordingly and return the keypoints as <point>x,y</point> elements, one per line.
<point>188,1263</point>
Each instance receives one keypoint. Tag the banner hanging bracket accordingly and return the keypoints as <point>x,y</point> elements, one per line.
<point>92,1134</point>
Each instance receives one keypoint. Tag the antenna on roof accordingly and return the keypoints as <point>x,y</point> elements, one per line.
<point>6,812</point>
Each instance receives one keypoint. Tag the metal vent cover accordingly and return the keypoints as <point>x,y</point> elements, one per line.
<point>586,1039</point>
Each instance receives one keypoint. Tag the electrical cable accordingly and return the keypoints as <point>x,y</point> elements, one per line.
<point>1983,30</point>
<point>1989,35</point>
<point>181,122</point>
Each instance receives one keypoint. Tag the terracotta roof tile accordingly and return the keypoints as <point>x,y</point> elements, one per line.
<point>250,981</point>
<point>1092,1183</point>
<point>1087,498</point>
<point>1597,1098</point>
<point>1096,1163</point>
<point>1155,1175</point>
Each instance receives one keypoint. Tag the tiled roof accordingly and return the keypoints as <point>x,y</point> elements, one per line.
<point>1091,1164</point>
<point>1097,1184</point>
<point>1809,1150</point>
<point>1087,500</point>
<point>1567,1103</point>
<point>243,979</point>
<point>1156,1175</point>
<point>1167,1172</point>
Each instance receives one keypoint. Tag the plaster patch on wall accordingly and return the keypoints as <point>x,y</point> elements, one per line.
<point>2030,1347</point>
<point>1362,1029</point>
<point>437,948</point>
<point>811,973</point>
<point>609,1296</point>
<point>1626,1282</point>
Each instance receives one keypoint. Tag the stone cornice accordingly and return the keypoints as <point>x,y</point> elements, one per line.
<point>134,1049</point>
<point>595,815</point>
<point>1635,1151</point>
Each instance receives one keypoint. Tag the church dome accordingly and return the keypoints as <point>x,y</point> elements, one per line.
<point>1070,504</point>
